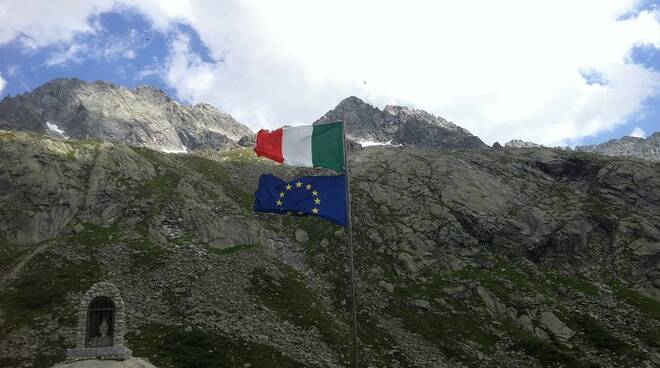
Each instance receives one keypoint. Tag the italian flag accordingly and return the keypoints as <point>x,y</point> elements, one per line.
<point>319,145</point>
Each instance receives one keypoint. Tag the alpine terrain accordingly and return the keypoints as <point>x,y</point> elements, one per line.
<point>72,108</point>
<point>466,256</point>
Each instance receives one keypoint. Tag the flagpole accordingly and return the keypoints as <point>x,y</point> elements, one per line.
<point>350,251</point>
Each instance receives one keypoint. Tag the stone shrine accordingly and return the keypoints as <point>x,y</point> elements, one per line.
<point>101,325</point>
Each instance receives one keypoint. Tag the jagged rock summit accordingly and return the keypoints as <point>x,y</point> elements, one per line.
<point>398,125</point>
<point>518,143</point>
<point>146,116</point>
<point>647,149</point>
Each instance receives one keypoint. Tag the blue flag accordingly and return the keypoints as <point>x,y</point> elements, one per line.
<point>323,196</point>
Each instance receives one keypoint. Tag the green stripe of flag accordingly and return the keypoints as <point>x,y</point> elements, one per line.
<point>328,146</point>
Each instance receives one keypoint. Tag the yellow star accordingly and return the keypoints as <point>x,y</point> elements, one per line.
<point>315,210</point>
<point>288,187</point>
<point>281,194</point>
<point>315,193</point>
<point>317,201</point>
<point>308,186</point>
<point>298,184</point>
<point>279,203</point>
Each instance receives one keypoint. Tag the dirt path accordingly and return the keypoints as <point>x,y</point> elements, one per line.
<point>11,274</point>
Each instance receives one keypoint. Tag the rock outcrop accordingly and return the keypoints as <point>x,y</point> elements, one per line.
<point>399,125</point>
<point>146,116</point>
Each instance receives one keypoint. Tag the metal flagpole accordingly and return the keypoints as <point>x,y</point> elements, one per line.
<point>350,251</point>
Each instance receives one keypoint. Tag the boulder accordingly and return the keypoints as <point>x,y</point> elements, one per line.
<point>421,304</point>
<point>558,328</point>
<point>496,308</point>
<point>526,322</point>
<point>541,334</point>
<point>301,236</point>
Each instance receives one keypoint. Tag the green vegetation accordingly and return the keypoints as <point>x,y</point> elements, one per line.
<point>241,156</point>
<point>330,261</point>
<point>167,177</point>
<point>578,284</point>
<point>44,284</point>
<point>71,155</point>
<point>445,324</point>
<point>334,255</point>
<point>594,333</point>
<point>596,206</point>
<point>9,254</point>
<point>547,354</point>
<point>146,253</point>
<point>87,142</point>
<point>290,297</point>
<point>94,236</point>
<point>316,228</point>
<point>495,279</point>
<point>170,346</point>
<point>650,335</point>
<point>219,174</point>
<point>646,305</point>
<point>159,187</point>
<point>5,134</point>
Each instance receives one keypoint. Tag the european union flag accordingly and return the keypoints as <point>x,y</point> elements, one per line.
<point>323,196</point>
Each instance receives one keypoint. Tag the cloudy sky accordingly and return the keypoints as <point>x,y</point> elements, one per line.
<point>554,72</point>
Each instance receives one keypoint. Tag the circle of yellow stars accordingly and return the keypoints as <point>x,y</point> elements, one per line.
<point>299,184</point>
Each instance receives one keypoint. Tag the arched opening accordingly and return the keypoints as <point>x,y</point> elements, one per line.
<point>100,322</point>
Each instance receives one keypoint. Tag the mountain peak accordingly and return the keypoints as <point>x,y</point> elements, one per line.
<point>519,143</point>
<point>352,100</point>
<point>648,149</point>
<point>144,116</point>
<point>399,125</point>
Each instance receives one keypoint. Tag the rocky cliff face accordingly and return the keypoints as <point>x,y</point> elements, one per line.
<point>71,108</point>
<point>399,125</point>
<point>647,149</point>
<point>478,258</point>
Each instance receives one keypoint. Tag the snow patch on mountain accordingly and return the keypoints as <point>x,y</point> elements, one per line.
<point>373,143</point>
<point>183,149</point>
<point>56,129</point>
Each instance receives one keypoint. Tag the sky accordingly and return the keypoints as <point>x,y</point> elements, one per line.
<point>560,72</point>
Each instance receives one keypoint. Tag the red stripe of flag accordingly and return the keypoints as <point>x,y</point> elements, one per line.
<point>269,144</point>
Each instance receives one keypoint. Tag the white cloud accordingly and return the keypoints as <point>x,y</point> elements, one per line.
<point>505,70</point>
<point>75,53</point>
<point>508,69</point>
<point>638,132</point>
<point>42,22</point>
<point>3,83</point>
<point>110,49</point>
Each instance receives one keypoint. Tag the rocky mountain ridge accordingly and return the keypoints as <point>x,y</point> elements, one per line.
<point>399,125</point>
<point>72,108</point>
<point>644,148</point>
<point>478,258</point>
<point>519,143</point>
